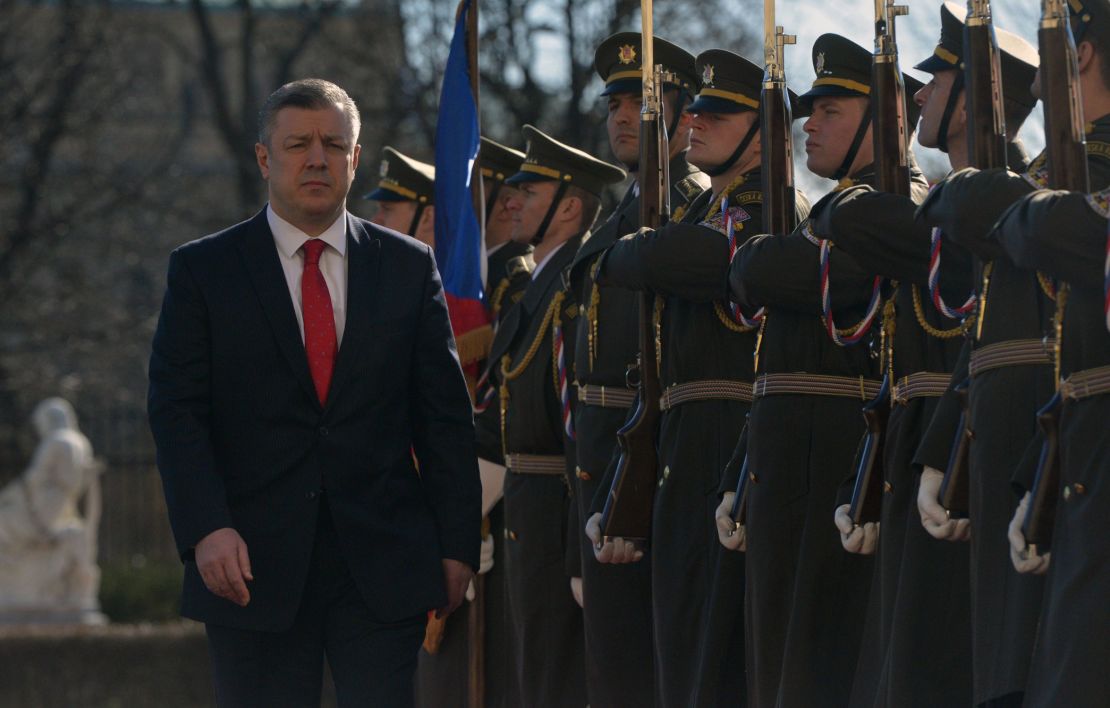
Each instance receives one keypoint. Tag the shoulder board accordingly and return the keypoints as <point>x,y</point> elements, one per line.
<point>519,265</point>
<point>689,187</point>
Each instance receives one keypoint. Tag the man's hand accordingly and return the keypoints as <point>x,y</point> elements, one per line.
<point>576,590</point>
<point>224,565</point>
<point>933,516</point>
<point>732,538</point>
<point>615,550</point>
<point>1025,559</point>
<point>457,576</point>
<point>855,539</point>
<point>485,557</point>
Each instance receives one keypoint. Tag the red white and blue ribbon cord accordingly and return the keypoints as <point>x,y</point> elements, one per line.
<point>730,232</point>
<point>934,285</point>
<point>826,304</point>
<point>484,393</point>
<point>561,374</point>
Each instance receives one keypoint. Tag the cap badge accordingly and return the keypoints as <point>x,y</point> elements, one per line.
<point>384,169</point>
<point>819,65</point>
<point>707,75</point>
<point>627,54</point>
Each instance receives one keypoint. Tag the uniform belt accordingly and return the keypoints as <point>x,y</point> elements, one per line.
<point>1013,352</point>
<point>920,384</point>
<point>1086,384</point>
<point>815,385</point>
<point>606,396</point>
<point>707,390</point>
<point>535,464</point>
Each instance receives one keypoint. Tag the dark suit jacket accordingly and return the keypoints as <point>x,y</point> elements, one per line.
<point>244,443</point>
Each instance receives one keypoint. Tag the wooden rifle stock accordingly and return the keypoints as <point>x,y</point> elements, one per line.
<point>1066,144</point>
<point>867,493</point>
<point>955,488</point>
<point>983,88</point>
<point>1041,516</point>
<point>628,508</point>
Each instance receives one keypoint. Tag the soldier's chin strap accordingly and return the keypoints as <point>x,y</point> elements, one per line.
<point>727,164</point>
<point>416,219</point>
<point>542,230</point>
<point>679,107</point>
<point>949,108</point>
<point>491,200</point>
<point>846,166</point>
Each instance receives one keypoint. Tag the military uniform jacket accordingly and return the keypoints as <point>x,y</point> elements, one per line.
<point>620,669</point>
<point>1002,406</point>
<point>546,622</point>
<point>921,595</point>
<point>503,289</point>
<point>1064,236</point>
<point>806,598</point>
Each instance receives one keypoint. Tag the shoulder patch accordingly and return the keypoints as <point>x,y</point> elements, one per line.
<point>1098,149</point>
<point>689,188</point>
<point>748,198</point>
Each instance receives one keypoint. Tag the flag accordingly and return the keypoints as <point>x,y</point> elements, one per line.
<point>459,248</point>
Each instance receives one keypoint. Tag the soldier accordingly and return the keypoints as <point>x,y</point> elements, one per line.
<point>558,201</point>
<point>707,387</point>
<point>924,642</point>
<point>806,598</point>
<point>1011,372</point>
<point>1065,234</point>
<point>405,196</point>
<point>443,678</point>
<point>617,599</point>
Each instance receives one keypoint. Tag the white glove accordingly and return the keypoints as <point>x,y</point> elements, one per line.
<point>615,550</point>
<point>732,538</point>
<point>576,590</point>
<point>933,516</point>
<point>1025,560</point>
<point>856,539</point>
<point>485,556</point>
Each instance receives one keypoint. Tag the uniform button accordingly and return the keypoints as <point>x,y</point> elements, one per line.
<point>888,487</point>
<point>1067,492</point>
<point>323,431</point>
<point>1080,488</point>
<point>582,474</point>
<point>753,477</point>
<point>511,535</point>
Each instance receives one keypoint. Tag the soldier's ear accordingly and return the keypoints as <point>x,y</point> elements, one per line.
<point>1085,55</point>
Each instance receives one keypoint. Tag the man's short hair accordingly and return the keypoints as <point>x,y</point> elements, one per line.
<point>314,94</point>
<point>591,206</point>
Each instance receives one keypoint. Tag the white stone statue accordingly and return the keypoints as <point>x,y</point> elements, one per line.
<point>48,570</point>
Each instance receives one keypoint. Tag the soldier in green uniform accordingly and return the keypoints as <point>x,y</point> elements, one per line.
<point>1011,370</point>
<point>923,650</point>
<point>443,678</point>
<point>558,201</point>
<point>806,598</point>
<point>617,598</point>
<point>706,370</point>
<point>1065,235</point>
<point>405,196</point>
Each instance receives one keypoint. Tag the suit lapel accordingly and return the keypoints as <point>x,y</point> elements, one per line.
<point>261,260</point>
<point>364,257</point>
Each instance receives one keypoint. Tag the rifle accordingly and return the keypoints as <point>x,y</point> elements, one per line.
<point>628,508</point>
<point>1066,146</point>
<point>955,488</point>
<point>777,166</point>
<point>892,172</point>
<point>986,149</point>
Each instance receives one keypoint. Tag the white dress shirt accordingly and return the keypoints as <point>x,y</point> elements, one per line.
<point>333,264</point>
<point>541,264</point>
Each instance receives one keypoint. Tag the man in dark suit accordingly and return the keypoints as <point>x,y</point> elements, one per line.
<point>302,368</point>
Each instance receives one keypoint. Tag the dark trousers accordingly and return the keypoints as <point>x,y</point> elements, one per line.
<point>372,663</point>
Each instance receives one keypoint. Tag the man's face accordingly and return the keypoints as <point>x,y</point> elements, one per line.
<point>499,226</point>
<point>933,98</point>
<point>309,164</point>
<point>830,131</point>
<point>395,215</point>
<point>715,136</point>
<point>528,207</point>
<point>623,125</point>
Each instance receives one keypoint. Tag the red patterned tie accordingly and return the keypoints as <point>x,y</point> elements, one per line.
<point>319,322</point>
